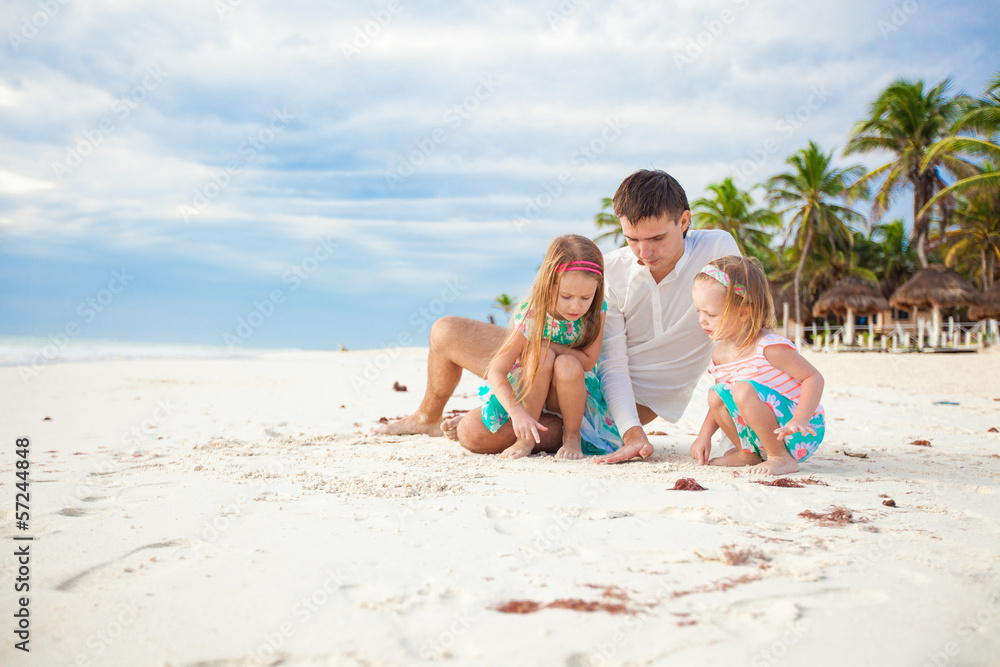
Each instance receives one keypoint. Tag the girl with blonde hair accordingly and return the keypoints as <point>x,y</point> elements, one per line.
<point>548,358</point>
<point>767,395</point>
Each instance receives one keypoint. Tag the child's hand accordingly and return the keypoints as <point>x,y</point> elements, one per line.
<point>525,426</point>
<point>701,449</point>
<point>792,427</point>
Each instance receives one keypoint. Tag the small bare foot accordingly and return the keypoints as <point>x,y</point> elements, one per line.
<point>775,466</point>
<point>735,457</point>
<point>570,449</point>
<point>412,425</point>
<point>450,427</point>
<point>517,450</point>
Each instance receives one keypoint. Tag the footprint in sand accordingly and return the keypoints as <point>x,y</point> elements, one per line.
<point>137,559</point>
<point>73,511</point>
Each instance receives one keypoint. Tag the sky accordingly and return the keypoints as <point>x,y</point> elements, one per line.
<point>252,173</point>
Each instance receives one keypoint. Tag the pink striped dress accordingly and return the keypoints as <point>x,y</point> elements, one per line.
<point>757,368</point>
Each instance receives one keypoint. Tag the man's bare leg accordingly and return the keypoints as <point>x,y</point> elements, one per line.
<point>475,437</point>
<point>456,343</point>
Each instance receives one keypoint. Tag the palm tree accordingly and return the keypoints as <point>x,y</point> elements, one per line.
<point>506,303</point>
<point>906,121</point>
<point>735,211</point>
<point>896,259</point>
<point>978,236</point>
<point>607,218</point>
<point>981,127</point>
<point>809,189</point>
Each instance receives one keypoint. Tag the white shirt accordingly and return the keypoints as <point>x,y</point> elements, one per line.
<point>654,350</point>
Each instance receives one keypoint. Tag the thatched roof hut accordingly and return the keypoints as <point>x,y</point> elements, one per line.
<point>990,306</point>
<point>850,296</point>
<point>935,287</point>
<point>781,295</point>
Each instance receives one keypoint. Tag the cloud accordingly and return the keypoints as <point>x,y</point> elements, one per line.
<point>429,140</point>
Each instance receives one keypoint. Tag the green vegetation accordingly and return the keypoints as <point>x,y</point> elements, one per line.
<point>941,149</point>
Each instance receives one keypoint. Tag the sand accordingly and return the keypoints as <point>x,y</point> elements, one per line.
<point>239,512</point>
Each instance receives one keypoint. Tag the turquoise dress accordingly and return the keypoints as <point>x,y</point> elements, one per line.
<point>599,435</point>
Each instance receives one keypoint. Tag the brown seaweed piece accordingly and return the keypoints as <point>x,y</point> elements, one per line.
<point>734,555</point>
<point>837,516</point>
<point>576,604</point>
<point>783,482</point>
<point>519,607</point>
<point>921,443</point>
<point>889,502</point>
<point>687,484</point>
<point>812,480</point>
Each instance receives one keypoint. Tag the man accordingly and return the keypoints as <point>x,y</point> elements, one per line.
<point>654,350</point>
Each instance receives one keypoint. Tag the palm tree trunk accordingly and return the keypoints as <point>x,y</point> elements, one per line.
<point>798,275</point>
<point>921,195</point>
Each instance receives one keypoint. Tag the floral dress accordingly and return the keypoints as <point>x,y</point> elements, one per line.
<point>775,388</point>
<point>599,435</point>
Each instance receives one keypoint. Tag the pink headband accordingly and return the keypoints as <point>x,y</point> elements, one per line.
<point>572,266</point>
<point>715,272</point>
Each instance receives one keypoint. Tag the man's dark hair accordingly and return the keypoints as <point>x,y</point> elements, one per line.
<point>649,194</point>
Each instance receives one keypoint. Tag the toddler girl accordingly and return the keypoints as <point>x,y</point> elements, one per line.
<point>767,396</point>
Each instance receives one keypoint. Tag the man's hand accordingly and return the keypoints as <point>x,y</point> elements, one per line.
<point>701,449</point>
<point>634,443</point>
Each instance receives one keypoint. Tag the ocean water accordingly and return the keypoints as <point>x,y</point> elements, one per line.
<point>32,351</point>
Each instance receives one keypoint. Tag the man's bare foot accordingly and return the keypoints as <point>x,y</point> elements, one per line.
<point>735,457</point>
<point>450,426</point>
<point>570,449</point>
<point>412,425</point>
<point>776,466</point>
<point>517,450</point>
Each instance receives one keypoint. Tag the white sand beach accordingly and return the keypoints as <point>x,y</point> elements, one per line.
<point>238,512</point>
